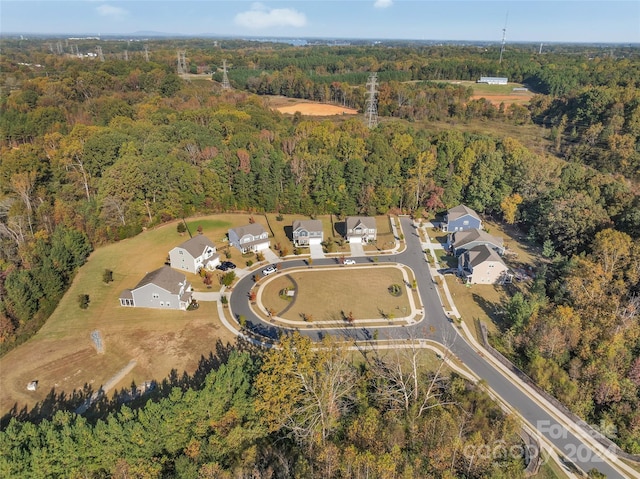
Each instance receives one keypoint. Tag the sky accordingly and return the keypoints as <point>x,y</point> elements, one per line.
<point>601,21</point>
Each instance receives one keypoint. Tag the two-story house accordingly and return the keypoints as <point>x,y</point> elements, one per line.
<point>482,265</point>
<point>461,218</point>
<point>249,238</point>
<point>163,288</point>
<point>194,254</point>
<point>307,232</point>
<point>361,229</point>
<point>461,241</point>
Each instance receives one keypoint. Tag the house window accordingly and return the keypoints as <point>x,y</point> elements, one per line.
<point>155,295</point>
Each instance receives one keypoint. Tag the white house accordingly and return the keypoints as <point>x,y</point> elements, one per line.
<point>163,288</point>
<point>251,237</point>
<point>194,254</point>
<point>361,229</point>
<point>482,265</point>
<point>493,80</point>
<point>307,232</point>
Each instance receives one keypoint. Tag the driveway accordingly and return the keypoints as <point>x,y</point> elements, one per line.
<point>270,256</point>
<point>316,251</point>
<point>356,249</point>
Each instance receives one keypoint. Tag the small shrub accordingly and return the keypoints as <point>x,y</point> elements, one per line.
<point>259,256</point>
<point>199,229</point>
<point>224,300</point>
<point>181,228</point>
<point>242,321</point>
<point>83,301</point>
<point>227,253</point>
<point>284,252</point>
<point>107,276</point>
<point>395,290</point>
<point>279,217</point>
<point>249,263</point>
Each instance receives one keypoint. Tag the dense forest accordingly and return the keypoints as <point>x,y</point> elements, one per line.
<point>295,412</point>
<point>93,152</point>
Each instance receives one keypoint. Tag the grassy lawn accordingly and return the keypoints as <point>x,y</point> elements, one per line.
<point>325,293</point>
<point>62,355</point>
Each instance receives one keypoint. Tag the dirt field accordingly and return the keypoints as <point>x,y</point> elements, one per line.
<point>292,105</point>
<point>519,98</point>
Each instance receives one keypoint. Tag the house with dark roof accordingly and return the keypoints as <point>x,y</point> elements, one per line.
<point>461,218</point>
<point>249,238</point>
<point>307,232</point>
<point>361,229</point>
<point>482,265</point>
<point>194,254</point>
<point>461,241</point>
<point>163,288</point>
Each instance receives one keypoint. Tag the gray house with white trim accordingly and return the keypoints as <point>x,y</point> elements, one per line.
<point>249,238</point>
<point>461,218</point>
<point>361,229</point>
<point>307,232</point>
<point>194,254</point>
<point>461,241</point>
<point>163,288</point>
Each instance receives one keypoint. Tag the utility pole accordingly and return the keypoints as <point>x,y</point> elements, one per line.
<point>371,113</point>
<point>504,37</point>
<point>225,79</point>
<point>540,51</point>
<point>126,55</point>
<point>182,62</point>
<point>99,53</point>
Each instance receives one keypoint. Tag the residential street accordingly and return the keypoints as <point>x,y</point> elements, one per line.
<point>568,439</point>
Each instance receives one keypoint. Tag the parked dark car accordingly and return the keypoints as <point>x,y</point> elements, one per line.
<point>226,265</point>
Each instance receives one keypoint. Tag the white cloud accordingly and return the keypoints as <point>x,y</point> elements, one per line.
<point>262,17</point>
<point>111,11</point>
<point>383,3</point>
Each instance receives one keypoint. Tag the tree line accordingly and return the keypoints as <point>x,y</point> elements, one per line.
<point>96,153</point>
<point>293,412</point>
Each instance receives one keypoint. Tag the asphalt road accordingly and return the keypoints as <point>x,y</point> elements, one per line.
<point>436,326</point>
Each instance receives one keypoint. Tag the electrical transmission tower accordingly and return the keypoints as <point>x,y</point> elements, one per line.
<point>504,38</point>
<point>225,79</point>
<point>371,113</point>
<point>99,53</point>
<point>182,62</point>
<point>126,55</point>
<point>146,53</point>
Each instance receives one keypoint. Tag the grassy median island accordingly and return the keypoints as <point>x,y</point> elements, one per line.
<point>328,294</point>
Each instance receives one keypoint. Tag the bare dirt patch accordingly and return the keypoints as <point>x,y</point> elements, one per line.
<point>519,98</point>
<point>291,106</point>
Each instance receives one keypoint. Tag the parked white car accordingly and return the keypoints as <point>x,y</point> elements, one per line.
<point>269,270</point>
<point>349,261</point>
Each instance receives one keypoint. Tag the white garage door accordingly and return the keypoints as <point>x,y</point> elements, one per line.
<point>355,239</point>
<point>315,241</point>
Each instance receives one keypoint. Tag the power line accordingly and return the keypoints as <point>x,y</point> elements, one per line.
<point>371,114</point>
<point>504,37</point>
